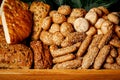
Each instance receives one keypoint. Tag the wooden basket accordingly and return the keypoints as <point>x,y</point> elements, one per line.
<point>50,74</point>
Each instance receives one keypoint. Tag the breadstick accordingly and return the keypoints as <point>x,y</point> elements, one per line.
<point>92,31</point>
<point>115,42</point>
<point>73,38</point>
<point>105,39</point>
<point>111,66</point>
<point>89,58</point>
<point>110,59</point>
<point>84,46</point>
<point>64,58</point>
<point>101,57</point>
<point>65,50</point>
<point>95,41</point>
<point>73,64</point>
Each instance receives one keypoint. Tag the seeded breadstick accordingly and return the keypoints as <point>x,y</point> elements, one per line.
<point>89,58</point>
<point>84,46</point>
<point>111,66</point>
<point>105,38</point>
<point>64,58</point>
<point>73,38</point>
<point>73,64</point>
<point>101,57</point>
<point>65,50</point>
<point>95,41</point>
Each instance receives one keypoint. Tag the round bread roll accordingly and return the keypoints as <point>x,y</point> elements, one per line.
<point>99,23</point>
<point>46,37</point>
<point>46,23</point>
<point>92,17</point>
<point>58,18</point>
<point>106,26</point>
<point>78,12</point>
<point>113,18</point>
<point>64,9</point>
<point>66,28</point>
<point>81,25</point>
<point>54,28</point>
<point>97,10</point>
<point>71,20</point>
<point>52,12</point>
<point>57,38</point>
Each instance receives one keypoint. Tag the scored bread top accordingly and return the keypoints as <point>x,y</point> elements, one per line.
<point>16,20</point>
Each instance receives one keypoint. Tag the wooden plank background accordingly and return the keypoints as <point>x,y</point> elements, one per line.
<point>49,74</point>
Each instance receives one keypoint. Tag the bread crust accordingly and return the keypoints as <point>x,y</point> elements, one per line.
<point>18,20</point>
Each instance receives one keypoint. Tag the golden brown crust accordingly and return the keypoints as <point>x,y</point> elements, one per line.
<point>73,38</point>
<point>14,56</point>
<point>18,19</point>
<point>111,66</point>
<point>105,38</point>
<point>89,58</point>
<point>66,50</point>
<point>64,58</point>
<point>78,12</point>
<point>64,9</point>
<point>101,56</point>
<point>40,11</point>
<point>73,64</point>
<point>115,43</point>
<point>84,46</point>
<point>95,41</point>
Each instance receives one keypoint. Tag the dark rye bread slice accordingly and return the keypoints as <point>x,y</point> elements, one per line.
<point>16,20</point>
<point>17,56</point>
<point>42,56</point>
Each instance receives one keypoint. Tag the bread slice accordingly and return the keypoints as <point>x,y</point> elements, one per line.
<point>17,56</point>
<point>40,10</point>
<point>42,56</point>
<point>16,20</point>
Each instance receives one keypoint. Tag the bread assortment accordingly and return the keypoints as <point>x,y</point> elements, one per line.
<point>72,38</point>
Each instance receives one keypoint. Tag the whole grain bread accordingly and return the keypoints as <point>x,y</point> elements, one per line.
<point>17,56</point>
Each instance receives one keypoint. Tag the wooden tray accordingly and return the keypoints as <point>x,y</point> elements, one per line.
<point>49,74</point>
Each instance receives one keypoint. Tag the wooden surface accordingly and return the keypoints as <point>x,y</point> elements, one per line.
<point>35,74</point>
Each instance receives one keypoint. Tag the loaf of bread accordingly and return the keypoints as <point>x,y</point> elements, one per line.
<point>16,20</point>
<point>17,56</point>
